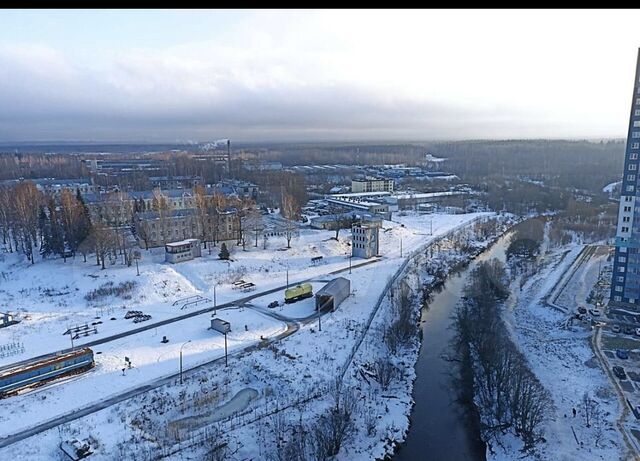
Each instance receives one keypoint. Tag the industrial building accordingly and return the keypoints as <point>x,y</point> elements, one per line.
<point>374,208</point>
<point>625,283</point>
<point>329,222</point>
<point>332,294</point>
<point>185,250</point>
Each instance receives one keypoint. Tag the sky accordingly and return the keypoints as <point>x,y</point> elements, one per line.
<point>315,75</point>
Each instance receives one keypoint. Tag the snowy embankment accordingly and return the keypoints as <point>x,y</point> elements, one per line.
<point>565,364</point>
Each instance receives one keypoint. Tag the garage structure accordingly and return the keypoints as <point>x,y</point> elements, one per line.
<point>333,293</point>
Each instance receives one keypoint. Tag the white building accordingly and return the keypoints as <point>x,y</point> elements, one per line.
<point>185,250</point>
<point>371,184</point>
<point>365,240</point>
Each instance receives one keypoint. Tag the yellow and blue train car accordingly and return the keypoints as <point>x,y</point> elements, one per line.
<point>40,371</point>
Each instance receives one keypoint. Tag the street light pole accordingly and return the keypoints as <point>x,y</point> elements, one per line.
<point>215,305</point>
<point>401,246</point>
<point>350,257</point>
<point>225,350</point>
<point>181,359</point>
<point>287,277</point>
<point>137,269</point>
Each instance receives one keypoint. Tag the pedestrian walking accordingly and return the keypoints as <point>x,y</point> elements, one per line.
<point>574,412</point>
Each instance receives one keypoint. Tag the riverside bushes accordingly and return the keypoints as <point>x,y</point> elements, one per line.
<point>508,394</point>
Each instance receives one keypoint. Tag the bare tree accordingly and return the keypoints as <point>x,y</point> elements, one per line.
<point>254,222</point>
<point>589,407</point>
<point>218,203</point>
<point>334,427</point>
<point>26,201</point>
<point>160,205</point>
<point>6,215</point>
<point>104,240</point>
<point>291,214</point>
<point>385,370</point>
<point>202,210</point>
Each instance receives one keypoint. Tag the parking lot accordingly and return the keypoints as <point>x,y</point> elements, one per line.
<point>612,342</point>
<point>623,317</point>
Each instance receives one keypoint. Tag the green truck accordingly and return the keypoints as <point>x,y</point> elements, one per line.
<point>298,292</point>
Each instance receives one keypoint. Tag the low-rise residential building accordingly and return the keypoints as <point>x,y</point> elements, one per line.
<point>175,182</point>
<point>372,184</point>
<point>154,229</point>
<point>239,188</point>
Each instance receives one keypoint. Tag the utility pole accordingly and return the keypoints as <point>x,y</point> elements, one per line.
<point>225,350</point>
<point>181,357</point>
<point>215,305</point>
<point>287,276</point>
<point>401,246</point>
<point>350,257</point>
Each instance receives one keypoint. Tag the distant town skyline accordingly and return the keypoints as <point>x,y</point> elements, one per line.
<point>172,76</point>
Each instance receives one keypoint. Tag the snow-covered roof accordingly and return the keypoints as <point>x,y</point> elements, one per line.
<point>182,242</point>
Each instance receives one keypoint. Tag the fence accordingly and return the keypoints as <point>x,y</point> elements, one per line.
<point>393,280</point>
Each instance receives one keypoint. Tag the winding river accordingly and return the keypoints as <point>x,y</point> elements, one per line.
<point>442,428</point>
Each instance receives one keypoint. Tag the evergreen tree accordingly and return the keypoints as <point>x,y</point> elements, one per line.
<point>57,241</point>
<point>45,233</point>
<point>224,253</point>
<point>84,224</point>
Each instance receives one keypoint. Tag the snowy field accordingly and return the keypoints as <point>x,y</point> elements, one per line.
<point>285,370</point>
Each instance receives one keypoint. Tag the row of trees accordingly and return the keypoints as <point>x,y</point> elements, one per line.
<point>509,395</point>
<point>32,222</point>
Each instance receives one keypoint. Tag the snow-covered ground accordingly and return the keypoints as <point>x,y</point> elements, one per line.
<point>564,361</point>
<point>288,371</point>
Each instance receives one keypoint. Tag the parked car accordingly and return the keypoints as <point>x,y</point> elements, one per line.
<point>595,312</point>
<point>619,372</point>
<point>616,329</point>
<point>637,331</point>
<point>629,330</point>
<point>274,304</point>
<point>622,354</point>
<point>582,310</point>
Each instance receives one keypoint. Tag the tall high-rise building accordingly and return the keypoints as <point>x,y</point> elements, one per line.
<point>625,283</point>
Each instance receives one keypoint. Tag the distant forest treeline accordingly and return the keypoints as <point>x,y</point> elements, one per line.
<point>578,164</point>
<point>560,163</point>
<point>557,163</point>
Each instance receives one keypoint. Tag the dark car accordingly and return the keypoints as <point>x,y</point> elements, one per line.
<point>582,310</point>
<point>274,304</point>
<point>629,330</point>
<point>622,354</point>
<point>619,372</point>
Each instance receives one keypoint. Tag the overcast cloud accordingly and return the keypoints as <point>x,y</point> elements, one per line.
<point>256,76</point>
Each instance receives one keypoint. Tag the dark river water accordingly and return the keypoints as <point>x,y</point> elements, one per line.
<point>441,427</point>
